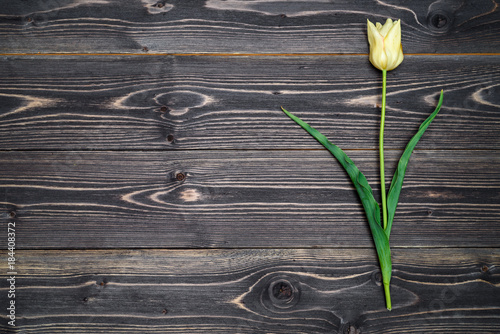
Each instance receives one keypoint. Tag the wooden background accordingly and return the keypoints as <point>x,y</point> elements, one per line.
<point>156,186</point>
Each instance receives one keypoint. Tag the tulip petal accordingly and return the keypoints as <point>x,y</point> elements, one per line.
<point>386,27</point>
<point>396,60</point>
<point>393,48</point>
<point>401,56</point>
<point>391,60</point>
<point>378,57</point>
<point>374,36</point>
<point>393,37</point>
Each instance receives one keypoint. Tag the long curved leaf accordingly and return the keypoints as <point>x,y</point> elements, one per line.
<point>399,174</point>
<point>365,193</point>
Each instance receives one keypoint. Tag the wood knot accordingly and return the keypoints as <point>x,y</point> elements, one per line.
<point>103,283</point>
<point>376,277</point>
<point>282,290</point>
<point>349,329</point>
<point>282,293</point>
<point>439,21</point>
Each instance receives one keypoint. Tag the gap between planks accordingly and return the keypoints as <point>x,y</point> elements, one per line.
<point>146,53</point>
<point>195,249</point>
<point>159,150</point>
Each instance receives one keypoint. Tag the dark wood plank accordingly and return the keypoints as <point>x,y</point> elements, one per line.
<point>229,291</point>
<point>235,26</point>
<point>234,102</point>
<point>162,192</point>
<point>242,199</point>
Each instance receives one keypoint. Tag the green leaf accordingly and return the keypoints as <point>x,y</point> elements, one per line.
<point>399,174</point>
<point>365,193</point>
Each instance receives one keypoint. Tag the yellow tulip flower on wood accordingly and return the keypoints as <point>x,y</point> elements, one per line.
<point>386,53</point>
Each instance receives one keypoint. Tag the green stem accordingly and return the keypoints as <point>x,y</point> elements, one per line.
<point>381,151</point>
<point>387,296</point>
<point>386,281</point>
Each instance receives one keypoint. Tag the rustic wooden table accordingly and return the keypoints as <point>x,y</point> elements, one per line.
<point>156,187</point>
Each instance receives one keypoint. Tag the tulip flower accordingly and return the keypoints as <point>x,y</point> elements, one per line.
<point>386,51</point>
<point>386,54</point>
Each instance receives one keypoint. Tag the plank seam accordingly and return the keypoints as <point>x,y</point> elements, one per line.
<point>147,54</point>
<point>254,248</point>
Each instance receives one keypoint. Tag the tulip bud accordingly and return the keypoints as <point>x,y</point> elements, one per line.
<point>386,51</point>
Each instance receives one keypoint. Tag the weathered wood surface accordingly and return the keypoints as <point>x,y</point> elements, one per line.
<point>256,291</point>
<point>206,199</point>
<point>133,102</point>
<point>158,190</point>
<point>236,26</point>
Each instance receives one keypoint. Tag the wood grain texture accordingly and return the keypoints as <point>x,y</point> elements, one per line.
<point>156,187</point>
<point>167,103</point>
<point>237,26</point>
<point>237,199</point>
<point>255,291</point>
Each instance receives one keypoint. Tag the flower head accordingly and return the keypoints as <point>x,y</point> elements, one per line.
<point>386,51</point>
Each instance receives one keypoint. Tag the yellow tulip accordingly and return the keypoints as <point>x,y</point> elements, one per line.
<point>386,51</point>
